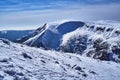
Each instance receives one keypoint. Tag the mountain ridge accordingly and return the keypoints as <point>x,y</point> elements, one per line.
<point>95,40</point>
<point>99,40</point>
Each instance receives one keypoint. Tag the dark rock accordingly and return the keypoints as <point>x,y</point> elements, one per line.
<point>26,56</point>
<point>1,77</point>
<point>92,27</point>
<point>116,49</point>
<point>56,62</point>
<point>109,29</point>
<point>10,72</point>
<point>43,61</point>
<point>102,55</point>
<point>74,66</point>
<point>5,41</point>
<point>117,32</point>
<point>92,72</point>
<point>85,75</point>
<point>105,56</point>
<point>100,29</point>
<point>20,74</point>
<point>4,60</point>
<point>96,44</point>
<point>104,45</point>
<point>119,56</point>
<point>78,68</point>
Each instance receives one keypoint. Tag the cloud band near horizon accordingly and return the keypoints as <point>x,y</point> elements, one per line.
<point>28,14</point>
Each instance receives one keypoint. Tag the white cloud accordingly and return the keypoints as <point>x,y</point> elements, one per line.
<point>34,18</point>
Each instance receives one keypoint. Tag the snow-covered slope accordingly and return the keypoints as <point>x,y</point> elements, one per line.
<point>50,37</point>
<point>101,41</point>
<point>20,62</point>
<point>31,34</point>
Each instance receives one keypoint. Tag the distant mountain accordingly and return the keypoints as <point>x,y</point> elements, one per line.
<point>98,40</point>
<point>51,35</point>
<point>12,35</point>
<point>93,39</point>
<point>20,62</point>
<point>31,34</point>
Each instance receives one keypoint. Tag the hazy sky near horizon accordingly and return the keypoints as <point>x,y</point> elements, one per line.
<point>30,14</point>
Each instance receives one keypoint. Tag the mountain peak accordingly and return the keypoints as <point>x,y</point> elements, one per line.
<point>77,37</point>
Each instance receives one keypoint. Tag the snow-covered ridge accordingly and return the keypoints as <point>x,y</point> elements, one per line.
<point>95,31</point>
<point>99,40</point>
<point>20,62</point>
<point>106,30</point>
<point>51,36</point>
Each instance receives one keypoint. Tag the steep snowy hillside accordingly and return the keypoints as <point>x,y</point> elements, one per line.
<point>94,39</point>
<point>12,35</point>
<point>50,37</point>
<point>32,34</point>
<point>20,62</point>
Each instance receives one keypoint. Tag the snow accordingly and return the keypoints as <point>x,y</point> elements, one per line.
<point>20,62</point>
<point>72,36</point>
<point>77,37</point>
<point>108,33</point>
<point>58,33</point>
<point>51,37</point>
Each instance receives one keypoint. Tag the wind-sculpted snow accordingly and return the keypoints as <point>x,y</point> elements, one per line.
<point>20,62</point>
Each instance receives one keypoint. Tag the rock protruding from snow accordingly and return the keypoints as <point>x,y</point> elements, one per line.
<point>97,41</point>
<point>5,41</point>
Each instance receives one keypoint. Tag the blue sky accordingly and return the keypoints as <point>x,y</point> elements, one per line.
<point>30,14</point>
